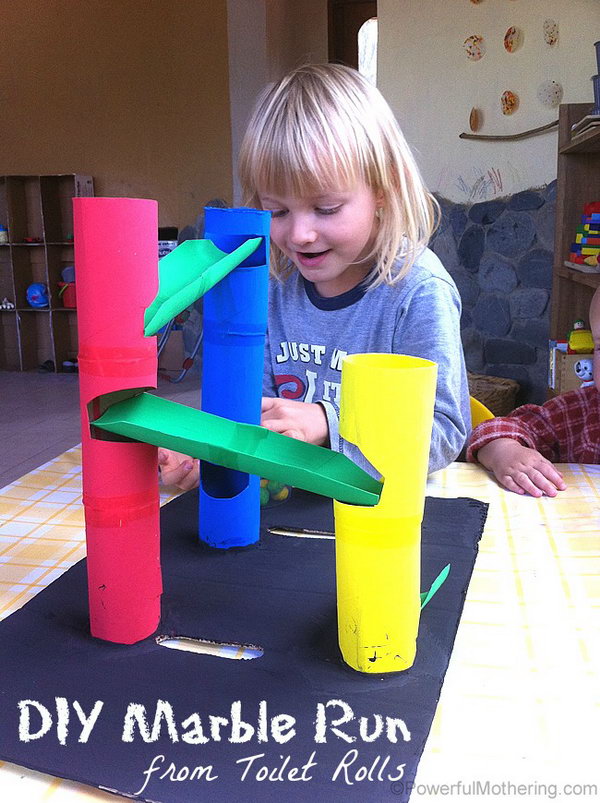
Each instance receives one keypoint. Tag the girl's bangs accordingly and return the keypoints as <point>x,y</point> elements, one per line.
<point>287,168</point>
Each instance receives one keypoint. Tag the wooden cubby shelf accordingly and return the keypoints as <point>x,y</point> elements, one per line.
<point>578,183</point>
<point>37,212</point>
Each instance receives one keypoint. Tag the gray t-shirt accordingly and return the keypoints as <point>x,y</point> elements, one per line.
<point>309,335</point>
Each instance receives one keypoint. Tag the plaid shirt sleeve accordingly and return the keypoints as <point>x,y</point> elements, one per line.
<point>554,428</point>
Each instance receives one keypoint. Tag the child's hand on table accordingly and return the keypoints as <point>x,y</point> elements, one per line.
<point>301,420</point>
<point>521,469</point>
<point>178,469</point>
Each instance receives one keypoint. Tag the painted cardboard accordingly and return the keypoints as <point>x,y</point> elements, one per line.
<point>378,549</point>
<point>115,253</point>
<point>246,448</point>
<point>279,595</point>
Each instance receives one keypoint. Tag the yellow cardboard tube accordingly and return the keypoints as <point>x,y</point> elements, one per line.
<point>387,411</point>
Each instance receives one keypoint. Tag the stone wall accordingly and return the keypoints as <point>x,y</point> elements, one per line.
<point>500,255</point>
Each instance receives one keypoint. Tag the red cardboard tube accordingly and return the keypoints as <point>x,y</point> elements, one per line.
<point>116,262</point>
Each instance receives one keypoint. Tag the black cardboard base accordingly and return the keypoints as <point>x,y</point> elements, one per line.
<point>279,595</point>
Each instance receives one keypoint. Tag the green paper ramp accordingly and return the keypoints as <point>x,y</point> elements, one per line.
<point>187,273</point>
<point>243,447</point>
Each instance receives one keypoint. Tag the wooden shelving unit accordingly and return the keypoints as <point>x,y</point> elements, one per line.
<point>37,211</point>
<point>578,183</point>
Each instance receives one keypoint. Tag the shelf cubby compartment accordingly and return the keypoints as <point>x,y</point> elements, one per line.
<point>38,213</point>
<point>3,203</point>
<point>578,183</point>
<point>29,266</point>
<point>58,257</point>
<point>24,209</point>
<point>64,328</point>
<point>35,338</point>
<point>57,194</point>
<point>7,286</point>
<point>9,341</point>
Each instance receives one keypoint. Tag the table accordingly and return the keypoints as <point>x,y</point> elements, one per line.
<point>521,699</point>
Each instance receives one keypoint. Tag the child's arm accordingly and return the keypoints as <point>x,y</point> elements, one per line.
<point>519,449</point>
<point>521,469</point>
<point>429,327</point>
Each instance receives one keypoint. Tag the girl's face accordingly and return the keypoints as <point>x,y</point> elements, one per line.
<point>327,235</point>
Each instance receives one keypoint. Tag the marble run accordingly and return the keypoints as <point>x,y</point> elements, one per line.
<point>122,302</point>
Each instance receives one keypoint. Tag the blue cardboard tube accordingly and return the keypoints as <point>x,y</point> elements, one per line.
<point>235,323</point>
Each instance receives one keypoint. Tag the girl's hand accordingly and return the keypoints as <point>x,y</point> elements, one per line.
<point>178,470</point>
<point>296,419</point>
<point>521,469</point>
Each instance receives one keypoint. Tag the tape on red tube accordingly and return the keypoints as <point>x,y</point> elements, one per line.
<point>118,362</point>
<point>117,511</point>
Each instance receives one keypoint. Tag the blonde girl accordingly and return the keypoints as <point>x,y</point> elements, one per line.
<point>351,219</point>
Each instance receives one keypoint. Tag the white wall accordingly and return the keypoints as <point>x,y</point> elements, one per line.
<point>266,39</point>
<point>296,34</point>
<point>248,69</point>
<point>431,85</point>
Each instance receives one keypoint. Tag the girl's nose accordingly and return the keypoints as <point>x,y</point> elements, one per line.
<point>302,231</point>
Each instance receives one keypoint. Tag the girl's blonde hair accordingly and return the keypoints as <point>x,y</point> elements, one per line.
<point>324,126</point>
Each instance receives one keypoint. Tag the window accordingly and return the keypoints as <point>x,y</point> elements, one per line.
<point>367,50</point>
<point>345,20</point>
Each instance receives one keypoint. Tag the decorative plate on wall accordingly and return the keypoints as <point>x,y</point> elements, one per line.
<point>513,39</point>
<point>474,47</point>
<point>550,93</point>
<point>475,119</point>
<point>509,102</point>
<point>550,28</point>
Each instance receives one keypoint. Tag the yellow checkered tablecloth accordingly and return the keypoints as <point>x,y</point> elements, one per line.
<point>42,534</point>
<point>521,699</point>
<point>41,528</point>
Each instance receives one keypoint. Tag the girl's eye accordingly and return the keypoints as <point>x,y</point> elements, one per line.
<point>278,212</point>
<point>328,210</point>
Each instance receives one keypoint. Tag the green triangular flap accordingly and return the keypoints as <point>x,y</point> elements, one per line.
<point>187,273</point>
<point>435,586</point>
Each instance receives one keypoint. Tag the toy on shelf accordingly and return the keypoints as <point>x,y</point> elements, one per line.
<point>584,370</point>
<point>579,339</point>
<point>585,250</point>
<point>37,295</point>
<point>377,523</point>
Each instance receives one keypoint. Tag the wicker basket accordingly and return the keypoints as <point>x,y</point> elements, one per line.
<point>498,394</point>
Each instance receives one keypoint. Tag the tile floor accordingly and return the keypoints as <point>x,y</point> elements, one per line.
<point>39,416</point>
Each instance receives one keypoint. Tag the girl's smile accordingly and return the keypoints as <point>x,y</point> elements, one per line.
<point>311,259</point>
<point>329,236</point>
